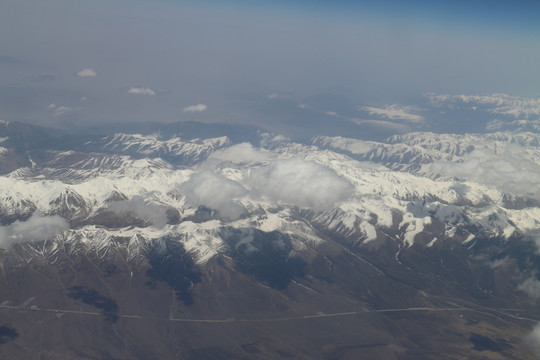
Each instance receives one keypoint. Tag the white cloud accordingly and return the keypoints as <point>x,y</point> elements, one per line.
<point>293,182</point>
<point>195,108</point>
<point>86,72</point>
<point>532,340</point>
<point>531,287</point>
<point>241,153</point>
<point>498,263</point>
<point>332,113</point>
<point>280,96</point>
<point>36,228</point>
<point>509,167</point>
<point>354,146</point>
<point>141,91</point>
<point>395,112</point>
<point>216,192</point>
<point>153,213</point>
<point>301,183</point>
<point>60,110</point>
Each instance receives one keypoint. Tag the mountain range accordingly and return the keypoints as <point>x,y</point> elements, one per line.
<point>166,243</point>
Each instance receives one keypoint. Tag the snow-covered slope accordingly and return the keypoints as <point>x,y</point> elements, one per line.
<point>361,192</point>
<point>175,149</point>
<point>414,152</point>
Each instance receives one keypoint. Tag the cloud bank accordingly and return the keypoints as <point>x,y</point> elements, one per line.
<point>509,167</point>
<point>195,108</point>
<point>301,183</point>
<point>86,72</point>
<point>293,182</point>
<point>36,228</point>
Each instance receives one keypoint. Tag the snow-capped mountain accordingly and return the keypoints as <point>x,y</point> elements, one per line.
<point>421,211</point>
<point>359,192</point>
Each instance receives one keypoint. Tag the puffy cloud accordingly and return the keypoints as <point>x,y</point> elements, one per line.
<point>86,72</point>
<point>241,153</point>
<point>280,96</point>
<point>36,228</point>
<point>216,192</point>
<point>141,91</point>
<point>395,112</point>
<point>62,110</point>
<point>301,183</point>
<point>294,182</point>
<point>509,167</point>
<point>195,108</point>
<point>153,213</point>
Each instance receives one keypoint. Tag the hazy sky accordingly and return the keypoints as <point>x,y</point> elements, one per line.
<point>84,61</point>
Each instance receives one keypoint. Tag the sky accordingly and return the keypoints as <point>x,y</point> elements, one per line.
<point>284,65</point>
